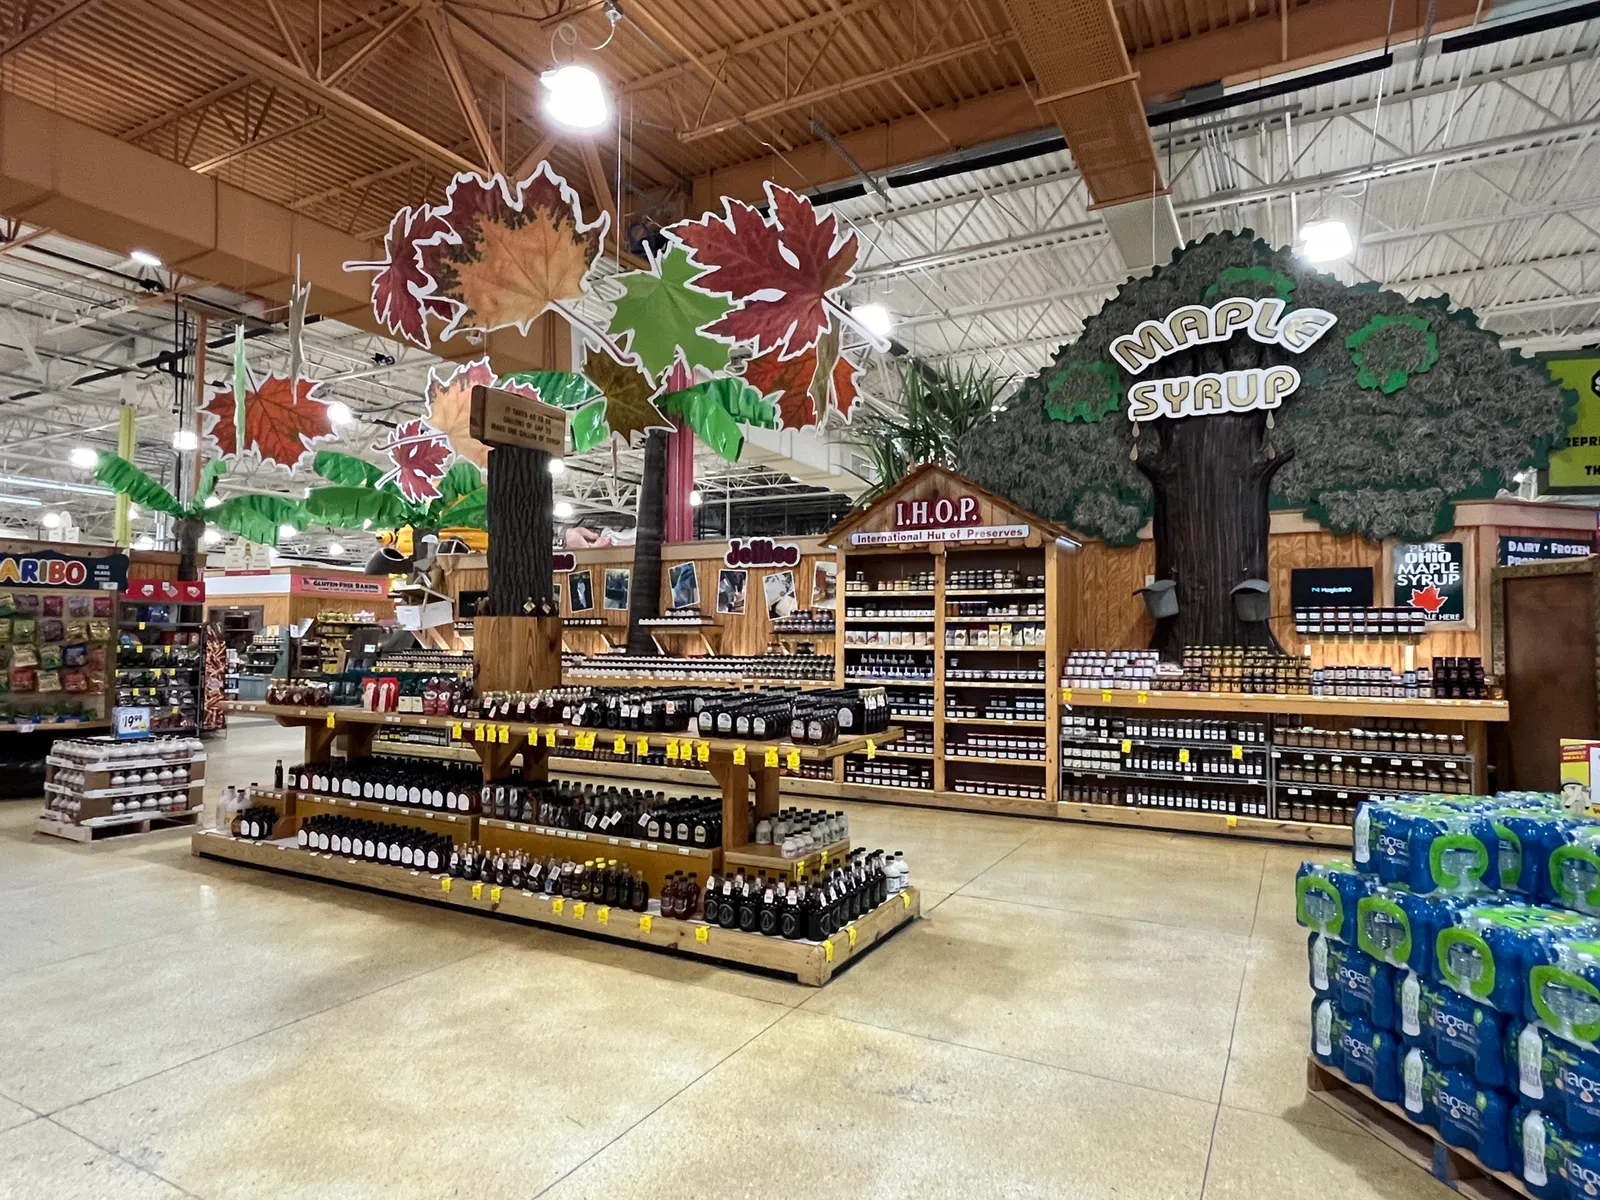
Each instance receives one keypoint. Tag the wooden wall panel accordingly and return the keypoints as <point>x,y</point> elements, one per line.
<point>1110,616</point>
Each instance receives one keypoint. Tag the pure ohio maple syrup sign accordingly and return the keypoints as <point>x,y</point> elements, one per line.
<point>1430,576</point>
<point>1263,320</point>
<point>761,552</point>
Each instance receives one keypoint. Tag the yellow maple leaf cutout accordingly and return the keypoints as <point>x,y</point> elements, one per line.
<point>519,272</point>
<point>450,407</point>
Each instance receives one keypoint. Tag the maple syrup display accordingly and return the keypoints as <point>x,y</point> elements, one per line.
<point>807,620</point>
<point>376,842</point>
<point>446,787</point>
<point>711,668</point>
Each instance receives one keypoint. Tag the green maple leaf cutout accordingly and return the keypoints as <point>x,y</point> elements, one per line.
<point>665,316</point>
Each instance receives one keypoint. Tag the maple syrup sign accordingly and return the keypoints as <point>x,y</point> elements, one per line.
<point>938,519</point>
<point>1430,576</point>
<point>761,552</point>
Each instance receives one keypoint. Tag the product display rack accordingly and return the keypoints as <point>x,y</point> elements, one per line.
<point>739,769</point>
<point>161,662</point>
<point>100,787</point>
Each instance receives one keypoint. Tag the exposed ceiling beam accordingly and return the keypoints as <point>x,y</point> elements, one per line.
<point>250,55</point>
<point>444,45</point>
<point>260,143</point>
<point>290,42</point>
<point>372,45</point>
<point>54,21</point>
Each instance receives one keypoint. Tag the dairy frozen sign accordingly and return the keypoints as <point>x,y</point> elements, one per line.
<point>938,519</point>
<point>1264,320</point>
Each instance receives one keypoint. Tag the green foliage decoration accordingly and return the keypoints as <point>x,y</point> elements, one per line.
<point>942,406</point>
<point>255,516</point>
<point>1085,391</point>
<point>1389,349</point>
<point>1252,283</point>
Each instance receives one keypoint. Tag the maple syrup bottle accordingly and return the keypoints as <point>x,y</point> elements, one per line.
<point>791,922</point>
<point>768,914</point>
<point>728,901</point>
<point>708,907</point>
<point>750,903</point>
<point>640,893</point>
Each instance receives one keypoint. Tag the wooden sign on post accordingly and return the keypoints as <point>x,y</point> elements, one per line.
<point>503,418</point>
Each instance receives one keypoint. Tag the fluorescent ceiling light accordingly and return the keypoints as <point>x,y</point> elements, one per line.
<point>558,466</point>
<point>211,537</point>
<point>574,97</point>
<point>84,458</point>
<point>339,413</point>
<point>213,501</point>
<point>335,548</point>
<point>563,510</point>
<point>875,317</point>
<point>55,485</point>
<point>287,530</point>
<point>22,501</point>
<point>1325,241</point>
<point>144,258</point>
<point>51,520</point>
<point>185,439</point>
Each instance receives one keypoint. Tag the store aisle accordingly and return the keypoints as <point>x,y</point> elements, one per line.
<point>1082,1012</point>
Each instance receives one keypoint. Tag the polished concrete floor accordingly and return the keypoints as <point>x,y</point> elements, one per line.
<point>1081,1013</point>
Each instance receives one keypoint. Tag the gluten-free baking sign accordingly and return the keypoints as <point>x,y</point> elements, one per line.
<point>1430,576</point>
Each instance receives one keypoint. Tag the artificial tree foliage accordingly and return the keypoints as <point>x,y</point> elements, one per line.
<point>255,517</point>
<point>1403,407</point>
<point>356,499</point>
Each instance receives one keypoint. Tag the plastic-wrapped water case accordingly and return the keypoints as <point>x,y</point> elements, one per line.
<point>1361,985</point>
<point>1325,896</point>
<point>1398,927</point>
<point>1371,1056</point>
<point>1571,878</point>
<point>1419,1082</point>
<point>1563,991</point>
<point>1474,1118</point>
<point>1465,1035</point>
<point>1559,1077</point>
<point>1582,1168</point>
<point>1426,846</point>
<point>1485,951</point>
<point>1541,1149</point>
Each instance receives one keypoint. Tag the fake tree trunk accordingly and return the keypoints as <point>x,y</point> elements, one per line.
<point>521,527</point>
<point>188,531</point>
<point>644,597</point>
<point>1211,482</point>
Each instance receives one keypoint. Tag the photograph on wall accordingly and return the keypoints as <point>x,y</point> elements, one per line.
<point>824,584</point>
<point>781,598</point>
<point>1429,576</point>
<point>617,587</point>
<point>581,587</point>
<point>731,585</point>
<point>683,585</point>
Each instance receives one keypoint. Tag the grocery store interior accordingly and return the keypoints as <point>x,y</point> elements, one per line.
<point>841,598</point>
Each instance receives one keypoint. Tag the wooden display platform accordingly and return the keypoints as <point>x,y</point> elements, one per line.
<point>811,963</point>
<point>1308,706</point>
<point>1457,1169</point>
<point>98,829</point>
<point>1184,821</point>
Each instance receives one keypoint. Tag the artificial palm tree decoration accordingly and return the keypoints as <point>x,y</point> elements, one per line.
<point>941,405</point>
<point>255,516</point>
<point>362,496</point>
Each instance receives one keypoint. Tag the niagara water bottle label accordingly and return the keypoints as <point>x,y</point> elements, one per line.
<point>1411,1005</point>
<point>1319,963</point>
<point>1533,1149</point>
<point>1530,1057</point>
<point>1413,1081</point>
<point>1363,835</point>
<point>1324,1028</point>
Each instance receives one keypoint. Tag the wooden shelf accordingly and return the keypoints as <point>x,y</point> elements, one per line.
<point>811,963</point>
<point>992,721</point>
<point>122,824</point>
<point>1184,821</point>
<point>1031,619</point>
<point>916,683</point>
<point>1160,777</point>
<point>994,591</point>
<point>909,717</point>
<point>884,595</point>
<point>849,620</point>
<point>951,756</point>
<point>994,684</point>
<point>770,858</point>
<point>633,681</point>
<point>1320,706</point>
<point>386,808</point>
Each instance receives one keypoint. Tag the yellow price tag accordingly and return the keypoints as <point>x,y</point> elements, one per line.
<point>1105,697</point>
<point>550,738</point>
<point>1066,695</point>
<point>558,905</point>
<point>827,949</point>
<point>872,749</point>
<point>642,747</point>
<point>905,899</point>
<point>330,719</point>
<point>1233,822</point>
<point>141,625</point>
<point>494,895</point>
<point>672,749</point>
<point>579,908</point>
<point>738,756</point>
<point>477,733</point>
<point>645,922</point>
<point>1127,746</point>
<point>703,934</point>
<point>794,760</point>
<point>477,891</point>
<point>851,930</point>
<point>1144,697</point>
<point>444,884</point>
<point>620,744</point>
<point>1183,756</point>
<point>455,731</point>
<point>1238,753</point>
<point>824,860</point>
<point>505,735</point>
<point>771,757</point>
<point>702,751</point>
<point>603,915</point>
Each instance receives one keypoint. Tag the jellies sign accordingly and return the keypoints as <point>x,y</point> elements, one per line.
<point>1264,320</point>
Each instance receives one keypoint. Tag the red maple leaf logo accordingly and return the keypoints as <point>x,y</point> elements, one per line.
<point>421,456</point>
<point>282,421</point>
<point>797,253</point>
<point>1428,599</point>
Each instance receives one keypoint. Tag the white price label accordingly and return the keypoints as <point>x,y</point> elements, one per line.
<point>130,722</point>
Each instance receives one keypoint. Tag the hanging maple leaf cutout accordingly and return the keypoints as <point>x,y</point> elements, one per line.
<point>1428,599</point>
<point>816,378</point>
<point>797,253</point>
<point>662,316</point>
<point>397,288</point>
<point>421,456</point>
<point>628,391</point>
<point>283,420</point>
<point>450,406</point>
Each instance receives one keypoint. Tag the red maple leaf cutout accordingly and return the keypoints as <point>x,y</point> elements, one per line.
<point>1428,599</point>
<point>282,421</point>
<point>842,391</point>
<point>793,384</point>
<point>400,279</point>
<point>421,456</point>
<point>746,259</point>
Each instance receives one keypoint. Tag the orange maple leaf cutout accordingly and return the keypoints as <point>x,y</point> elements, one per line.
<point>450,406</point>
<point>1428,599</point>
<point>283,420</point>
<point>798,383</point>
